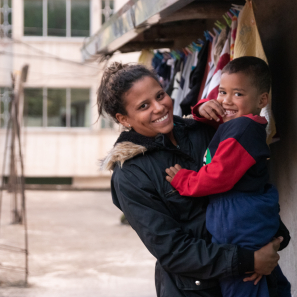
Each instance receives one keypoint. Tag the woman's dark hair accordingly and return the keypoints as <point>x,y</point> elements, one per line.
<point>255,68</point>
<point>117,79</point>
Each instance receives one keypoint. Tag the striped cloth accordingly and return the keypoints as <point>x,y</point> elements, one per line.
<point>213,90</point>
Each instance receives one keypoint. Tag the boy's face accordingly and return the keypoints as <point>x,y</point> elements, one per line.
<point>238,96</point>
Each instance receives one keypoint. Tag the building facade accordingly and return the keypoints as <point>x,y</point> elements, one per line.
<point>62,136</point>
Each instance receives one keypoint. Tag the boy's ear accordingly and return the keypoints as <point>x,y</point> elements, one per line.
<point>122,120</point>
<point>263,100</point>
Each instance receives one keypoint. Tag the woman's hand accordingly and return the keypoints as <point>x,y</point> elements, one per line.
<point>172,171</point>
<point>266,258</point>
<point>254,277</point>
<point>211,110</point>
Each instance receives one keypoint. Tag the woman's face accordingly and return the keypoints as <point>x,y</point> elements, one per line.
<point>149,109</point>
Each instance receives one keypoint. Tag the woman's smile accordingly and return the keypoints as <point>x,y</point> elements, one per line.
<point>161,120</point>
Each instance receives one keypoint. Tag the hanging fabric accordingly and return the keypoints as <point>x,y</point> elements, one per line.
<point>233,36</point>
<point>220,45</point>
<point>146,58</point>
<point>224,59</point>
<point>248,43</point>
<point>212,68</point>
<point>184,84</point>
<point>206,72</point>
<point>196,78</point>
<point>175,80</point>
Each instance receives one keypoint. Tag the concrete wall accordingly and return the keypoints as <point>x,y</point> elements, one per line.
<point>277,25</point>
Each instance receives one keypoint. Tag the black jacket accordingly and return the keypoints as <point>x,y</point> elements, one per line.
<point>172,227</point>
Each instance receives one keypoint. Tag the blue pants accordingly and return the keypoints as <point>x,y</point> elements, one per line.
<point>249,220</point>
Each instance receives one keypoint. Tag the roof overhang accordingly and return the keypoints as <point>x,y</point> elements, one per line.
<point>153,24</point>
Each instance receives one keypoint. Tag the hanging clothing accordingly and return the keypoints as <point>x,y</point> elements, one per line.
<point>233,36</point>
<point>176,85</point>
<point>212,69</point>
<point>174,69</point>
<point>213,90</point>
<point>196,78</point>
<point>184,84</point>
<point>146,58</point>
<point>219,46</point>
<point>248,43</point>
<point>157,60</point>
<point>206,72</point>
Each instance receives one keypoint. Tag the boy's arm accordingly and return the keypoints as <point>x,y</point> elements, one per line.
<point>240,147</point>
<point>224,171</point>
<point>208,111</point>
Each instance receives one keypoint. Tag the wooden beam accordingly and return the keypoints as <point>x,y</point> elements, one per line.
<point>198,10</point>
<point>191,28</point>
<point>138,46</point>
<point>173,35</point>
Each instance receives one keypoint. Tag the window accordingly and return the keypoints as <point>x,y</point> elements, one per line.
<point>4,106</point>
<point>64,18</point>
<point>5,18</point>
<point>107,8</point>
<point>48,107</point>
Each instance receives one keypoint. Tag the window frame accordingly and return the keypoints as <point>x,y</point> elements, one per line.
<point>6,27</point>
<point>68,109</point>
<point>68,23</point>
<point>4,114</point>
<point>107,12</point>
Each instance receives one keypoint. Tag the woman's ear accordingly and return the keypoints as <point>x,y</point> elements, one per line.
<point>122,119</point>
<point>263,100</point>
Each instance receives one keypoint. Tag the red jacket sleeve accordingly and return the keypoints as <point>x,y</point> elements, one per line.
<point>224,171</point>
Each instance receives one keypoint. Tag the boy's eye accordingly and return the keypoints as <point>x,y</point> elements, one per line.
<point>222,92</point>
<point>143,106</point>
<point>161,95</point>
<point>238,94</point>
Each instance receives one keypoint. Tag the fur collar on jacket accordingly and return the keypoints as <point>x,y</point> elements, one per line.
<point>130,144</point>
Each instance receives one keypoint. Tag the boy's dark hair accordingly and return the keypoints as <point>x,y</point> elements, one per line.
<point>253,67</point>
<point>117,79</point>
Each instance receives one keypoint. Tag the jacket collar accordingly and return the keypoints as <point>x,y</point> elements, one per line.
<point>130,144</point>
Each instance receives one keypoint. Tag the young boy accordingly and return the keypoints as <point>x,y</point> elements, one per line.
<point>243,207</point>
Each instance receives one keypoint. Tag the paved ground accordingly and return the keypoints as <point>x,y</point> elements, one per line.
<point>77,248</point>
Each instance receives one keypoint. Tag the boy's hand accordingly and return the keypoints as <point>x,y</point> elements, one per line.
<point>172,171</point>
<point>211,109</point>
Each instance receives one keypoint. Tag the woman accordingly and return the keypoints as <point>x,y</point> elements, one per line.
<point>171,227</point>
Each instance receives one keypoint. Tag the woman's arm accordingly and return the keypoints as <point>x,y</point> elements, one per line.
<point>177,251</point>
<point>283,232</point>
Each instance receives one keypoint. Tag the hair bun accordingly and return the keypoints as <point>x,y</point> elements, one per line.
<point>114,68</point>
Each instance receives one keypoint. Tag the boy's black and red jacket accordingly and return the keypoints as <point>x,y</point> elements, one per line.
<point>239,155</point>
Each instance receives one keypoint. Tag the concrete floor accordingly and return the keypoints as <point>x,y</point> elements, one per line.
<point>77,247</point>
